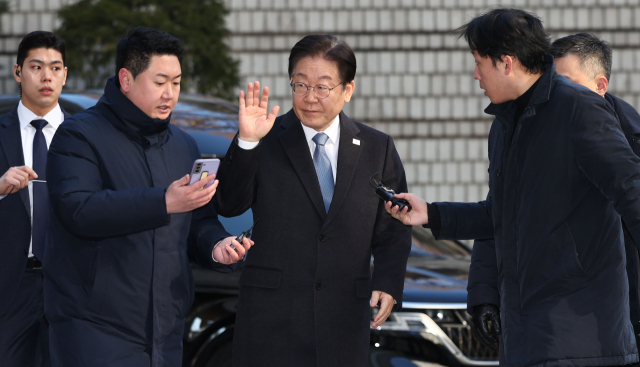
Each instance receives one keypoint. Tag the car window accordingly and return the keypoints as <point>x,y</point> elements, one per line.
<point>204,116</point>
<point>424,244</point>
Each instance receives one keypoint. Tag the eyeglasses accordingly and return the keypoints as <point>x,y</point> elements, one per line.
<point>321,91</point>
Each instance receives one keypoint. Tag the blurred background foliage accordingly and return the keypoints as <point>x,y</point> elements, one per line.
<point>91,30</point>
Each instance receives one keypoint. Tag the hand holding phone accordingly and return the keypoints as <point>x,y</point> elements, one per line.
<point>245,234</point>
<point>203,168</point>
<point>387,194</point>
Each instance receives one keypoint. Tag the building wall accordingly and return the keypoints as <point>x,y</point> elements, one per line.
<point>414,78</point>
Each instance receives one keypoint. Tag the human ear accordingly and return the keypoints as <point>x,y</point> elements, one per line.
<point>508,64</point>
<point>16,72</point>
<point>125,78</point>
<point>602,84</point>
<point>348,91</point>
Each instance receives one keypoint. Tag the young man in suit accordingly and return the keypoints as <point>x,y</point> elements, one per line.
<point>307,289</point>
<point>25,134</point>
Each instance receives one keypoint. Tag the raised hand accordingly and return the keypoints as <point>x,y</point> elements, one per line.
<point>253,119</point>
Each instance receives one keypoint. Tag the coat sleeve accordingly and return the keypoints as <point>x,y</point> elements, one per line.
<point>483,275</point>
<point>465,221</point>
<point>237,180</point>
<point>605,157</point>
<point>391,241</point>
<point>206,230</point>
<point>82,205</point>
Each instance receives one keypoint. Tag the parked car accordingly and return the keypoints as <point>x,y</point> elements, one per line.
<point>432,327</point>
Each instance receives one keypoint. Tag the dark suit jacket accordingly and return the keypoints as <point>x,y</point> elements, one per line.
<point>305,289</point>
<point>15,213</point>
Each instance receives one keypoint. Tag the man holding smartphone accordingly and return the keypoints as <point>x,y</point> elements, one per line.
<point>125,222</point>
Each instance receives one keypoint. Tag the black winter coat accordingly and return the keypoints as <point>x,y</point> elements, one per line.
<point>118,284</point>
<point>474,221</point>
<point>560,179</point>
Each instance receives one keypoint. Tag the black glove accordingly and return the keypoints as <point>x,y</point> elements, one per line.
<point>482,314</point>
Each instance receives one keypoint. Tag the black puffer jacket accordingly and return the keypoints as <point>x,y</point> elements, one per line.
<point>118,284</point>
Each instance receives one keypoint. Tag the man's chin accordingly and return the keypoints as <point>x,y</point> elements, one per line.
<point>160,115</point>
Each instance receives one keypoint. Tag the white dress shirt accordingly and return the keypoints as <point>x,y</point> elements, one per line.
<point>27,132</point>
<point>331,146</point>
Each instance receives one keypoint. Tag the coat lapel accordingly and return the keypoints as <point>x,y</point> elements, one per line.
<point>11,143</point>
<point>295,144</point>
<point>348,155</point>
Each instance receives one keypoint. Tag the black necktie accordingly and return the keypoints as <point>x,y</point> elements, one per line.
<point>40,192</point>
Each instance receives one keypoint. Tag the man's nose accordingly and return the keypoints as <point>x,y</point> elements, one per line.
<point>311,96</point>
<point>46,74</point>
<point>476,74</point>
<point>168,91</point>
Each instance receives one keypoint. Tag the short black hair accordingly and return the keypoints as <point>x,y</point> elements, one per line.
<point>134,51</point>
<point>511,32</point>
<point>329,48</point>
<point>39,39</point>
<point>595,54</point>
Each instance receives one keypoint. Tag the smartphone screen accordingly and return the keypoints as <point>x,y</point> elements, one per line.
<point>203,168</point>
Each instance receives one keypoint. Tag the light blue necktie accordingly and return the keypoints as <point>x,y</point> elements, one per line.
<point>323,169</point>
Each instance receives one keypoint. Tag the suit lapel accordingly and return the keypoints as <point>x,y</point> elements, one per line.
<point>348,155</point>
<point>295,144</point>
<point>11,143</point>
<point>65,114</point>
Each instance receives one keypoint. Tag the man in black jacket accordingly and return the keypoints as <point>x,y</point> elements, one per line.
<point>554,145</point>
<point>586,60</point>
<point>126,223</point>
